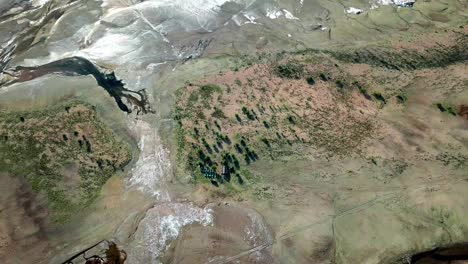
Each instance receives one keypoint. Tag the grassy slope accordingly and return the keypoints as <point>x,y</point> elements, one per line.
<point>414,158</point>
<point>65,153</point>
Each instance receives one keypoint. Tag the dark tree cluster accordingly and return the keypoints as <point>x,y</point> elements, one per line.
<point>250,114</point>
<point>380,97</point>
<point>290,70</point>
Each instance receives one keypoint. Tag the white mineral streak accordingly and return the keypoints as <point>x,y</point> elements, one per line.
<point>150,173</point>
<point>391,2</point>
<point>39,2</point>
<point>256,229</point>
<point>154,66</point>
<point>106,49</point>
<point>250,18</point>
<point>201,8</point>
<point>353,10</point>
<point>274,13</point>
<point>164,221</point>
<point>403,2</point>
<point>244,18</point>
<point>161,225</point>
<point>385,2</point>
<point>257,233</point>
<point>289,15</point>
<point>111,48</point>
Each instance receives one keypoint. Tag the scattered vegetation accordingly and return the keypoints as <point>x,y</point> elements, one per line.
<point>401,98</point>
<point>446,108</point>
<point>207,90</point>
<point>310,80</point>
<point>363,91</point>
<point>441,107</point>
<point>408,59</point>
<point>222,136</point>
<point>290,70</point>
<point>380,97</point>
<point>218,113</point>
<point>339,84</point>
<point>64,152</point>
<point>249,114</point>
<point>323,77</point>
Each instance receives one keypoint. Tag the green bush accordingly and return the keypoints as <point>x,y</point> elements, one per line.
<point>207,90</point>
<point>218,113</point>
<point>291,70</point>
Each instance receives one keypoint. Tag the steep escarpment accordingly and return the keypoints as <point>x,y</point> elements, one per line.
<point>432,50</point>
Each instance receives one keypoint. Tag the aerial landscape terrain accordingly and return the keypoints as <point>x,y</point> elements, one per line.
<point>234,131</point>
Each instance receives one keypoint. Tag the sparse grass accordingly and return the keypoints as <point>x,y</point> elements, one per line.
<point>44,147</point>
<point>363,91</point>
<point>339,84</point>
<point>193,98</point>
<point>207,90</point>
<point>218,113</point>
<point>269,123</point>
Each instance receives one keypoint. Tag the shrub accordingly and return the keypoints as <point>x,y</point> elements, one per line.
<point>227,140</point>
<point>264,140</point>
<point>238,149</point>
<point>207,90</point>
<point>401,98</point>
<point>249,114</point>
<point>364,92</point>
<point>441,107</point>
<point>243,143</point>
<point>380,97</point>
<point>218,113</point>
<point>323,77</point>
<point>201,115</point>
<point>217,125</point>
<point>193,98</point>
<point>339,83</point>
<point>238,118</point>
<point>247,158</point>
<point>451,111</point>
<point>291,70</point>
<point>239,179</point>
